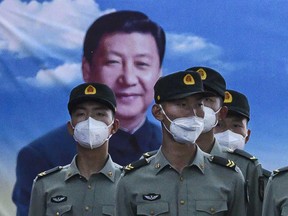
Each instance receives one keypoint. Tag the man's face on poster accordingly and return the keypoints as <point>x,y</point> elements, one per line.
<point>129,64</point>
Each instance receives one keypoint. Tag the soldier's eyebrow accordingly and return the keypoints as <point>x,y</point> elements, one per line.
<point>235,117</point>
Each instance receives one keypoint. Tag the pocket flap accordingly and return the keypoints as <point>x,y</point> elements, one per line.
<point>59,210</point>
<point>211,206</point>
<point>156,208</point>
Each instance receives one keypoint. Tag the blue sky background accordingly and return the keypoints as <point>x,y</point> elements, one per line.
<point>41,49</point>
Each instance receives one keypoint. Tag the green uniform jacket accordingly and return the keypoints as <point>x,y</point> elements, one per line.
<point>252,172</point>
<point>63,191</point>
<point>276,194</point>
<point>203,188</point>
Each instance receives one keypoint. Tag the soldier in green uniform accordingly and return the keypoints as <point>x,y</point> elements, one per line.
<point>276,194</point>
<point>233,131</point>
<point>214,110</point>
<point>181,179</point>
<point>87,186</point>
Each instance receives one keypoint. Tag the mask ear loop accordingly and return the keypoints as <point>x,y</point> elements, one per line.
<point>218,110</point>
<point>164,113</point>
<point>71,125</point>
<point>110,133</point>
<point>216,119</point>
<point>167,118</point>
<point>110,124</point>
<point>246,135</point>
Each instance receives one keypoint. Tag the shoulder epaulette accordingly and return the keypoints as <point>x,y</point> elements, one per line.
<point>280,171</point>
<point>244,154</point>
<point>149,154</point>
<point>48,172</point>
<point>266,173</point>
<point>223,162</point>
<point>135,165</point>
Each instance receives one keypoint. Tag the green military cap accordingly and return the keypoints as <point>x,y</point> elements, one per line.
<point>237,102</point>
<point>92,92</point>
<point>212,80</point>
<point>178,85</point>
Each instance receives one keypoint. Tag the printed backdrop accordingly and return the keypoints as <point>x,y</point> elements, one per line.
<point>41,49</point>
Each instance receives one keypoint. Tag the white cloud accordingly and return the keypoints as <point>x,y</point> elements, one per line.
<point>45,28</point>
<point>64,75</point>
<point>192,47</point>
<point>197,50</point>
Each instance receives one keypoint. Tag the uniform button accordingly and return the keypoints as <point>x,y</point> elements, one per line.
<point>181,178</point>
<point>86,208</point>
<point>152,212</point>
<point>57,213</point>
<point>89,186</point>
<point>157,166</point>
<point>182,202</point>
<point>212,210</point>
<point>110,174</point>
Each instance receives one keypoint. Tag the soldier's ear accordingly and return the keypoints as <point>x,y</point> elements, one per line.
<point>248,136</point>
<point>70,128</point>
<point>115,126</point>
<point>157,112</point>
<point>223,113</point>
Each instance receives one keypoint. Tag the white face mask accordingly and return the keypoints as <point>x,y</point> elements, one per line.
<point>231,140</point>
<point>185,130</point>
<point>210,120</point>
<point>91,133</point>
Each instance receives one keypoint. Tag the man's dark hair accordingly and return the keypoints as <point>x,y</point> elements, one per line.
<point>123,21</point>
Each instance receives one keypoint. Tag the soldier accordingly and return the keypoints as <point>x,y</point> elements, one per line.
<point>180,179</point>
<point>275,199</point>
<point>214,110</point>
<point>233,132</point>
<point>86,186</point>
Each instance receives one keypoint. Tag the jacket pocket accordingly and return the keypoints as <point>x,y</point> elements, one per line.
<point>211,207</point>
<point>157,208</point>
